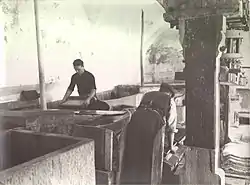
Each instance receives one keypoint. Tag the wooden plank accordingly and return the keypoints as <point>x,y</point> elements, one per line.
<point>197,168</point>
<point>121,153</point>
<point>73,103</point>
<point>35,112</point>
<point>104,177</point>
<point>109,134</point>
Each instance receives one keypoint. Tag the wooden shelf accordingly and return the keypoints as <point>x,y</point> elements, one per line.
<point>235,85</point>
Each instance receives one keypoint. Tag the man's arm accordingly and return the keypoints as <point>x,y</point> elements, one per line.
<point>93,89</point>
<point>172,123</point>
<point>67,95</point>
<point>69,90</point>
<point>92,94</point>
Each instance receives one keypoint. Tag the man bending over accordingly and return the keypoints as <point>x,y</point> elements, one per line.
<point>85,82</point>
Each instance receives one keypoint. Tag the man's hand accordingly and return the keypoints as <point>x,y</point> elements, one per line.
<point>62,101</point>
<point>86,103</point>
<point>173,149</point>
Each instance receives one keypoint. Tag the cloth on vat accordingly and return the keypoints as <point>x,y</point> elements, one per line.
<point>146,124</point>
<point>236,159</point>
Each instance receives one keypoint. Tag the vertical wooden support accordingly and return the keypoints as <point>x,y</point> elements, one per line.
<point>202,39</point>
<point>230,45</point>
<point>141,48</point>
<point>109,134</point>
<point>203,36</point>
<point>40,64</point>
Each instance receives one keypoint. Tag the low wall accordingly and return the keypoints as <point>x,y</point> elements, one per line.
<point>48,159</point>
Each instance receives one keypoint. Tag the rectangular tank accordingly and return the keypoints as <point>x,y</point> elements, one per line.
<point>29,158</point>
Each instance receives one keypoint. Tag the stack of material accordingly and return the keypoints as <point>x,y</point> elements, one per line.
<point>236,160</point>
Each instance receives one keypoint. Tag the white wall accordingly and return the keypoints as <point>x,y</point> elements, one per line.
<point>106,36</point>
<point>245,50</point>
<point>2,61</point>
<point>104,33</point>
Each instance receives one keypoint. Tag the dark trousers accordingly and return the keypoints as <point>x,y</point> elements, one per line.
<point>96,104</point>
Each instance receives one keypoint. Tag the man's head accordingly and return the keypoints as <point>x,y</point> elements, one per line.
<point>166,88</point>
<point>78,66</point>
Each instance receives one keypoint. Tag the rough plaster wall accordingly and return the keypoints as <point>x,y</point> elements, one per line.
<point>19,38</point>
<point>72,167</point>
<point>2,60</point>
<point>105,36</point>
<point>95,37</point>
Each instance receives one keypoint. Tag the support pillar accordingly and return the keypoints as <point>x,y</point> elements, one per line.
<point>202,27</point>
<point>203,38</point>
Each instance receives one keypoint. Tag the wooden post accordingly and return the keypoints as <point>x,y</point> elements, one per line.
<point>200,59</point>
<point>141,48</point>
<point>40,64</point>
<point>202,45</point>
<point>203,35</point>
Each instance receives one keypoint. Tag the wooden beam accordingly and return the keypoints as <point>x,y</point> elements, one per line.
<point>195,8</point>
<point>40,64</point>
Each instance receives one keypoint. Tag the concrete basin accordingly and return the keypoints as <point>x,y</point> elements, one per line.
<point>29,158</point>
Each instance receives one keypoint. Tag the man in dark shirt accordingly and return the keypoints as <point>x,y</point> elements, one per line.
<point>85,82</point>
